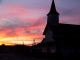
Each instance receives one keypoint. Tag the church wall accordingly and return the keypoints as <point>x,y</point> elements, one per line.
<point>48,34</point>
<point>53,49</point>
<point>44,49</point>
<point>39,49</point>
<point>67,50</point>
<point>49,49</point>
<point>53,20</point>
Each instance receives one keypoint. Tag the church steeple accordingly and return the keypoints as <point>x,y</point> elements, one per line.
<point>53,9</point>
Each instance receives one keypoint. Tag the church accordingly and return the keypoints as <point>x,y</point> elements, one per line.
<point>60,38</point>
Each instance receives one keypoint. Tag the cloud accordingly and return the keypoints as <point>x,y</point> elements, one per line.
<point>15,27</point>
<point>40,21</point>
<point>14,10</point>
<point>10,23</point>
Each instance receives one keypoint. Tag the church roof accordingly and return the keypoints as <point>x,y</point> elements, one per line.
<point>63,24</point>
<point>66,30</point>
<point>53,9</point>
<point>69,26</point>
<point>47,28</point>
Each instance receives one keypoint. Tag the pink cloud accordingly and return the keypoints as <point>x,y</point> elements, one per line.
<point>15,10</point>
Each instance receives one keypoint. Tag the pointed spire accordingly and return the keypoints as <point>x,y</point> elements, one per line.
<point>53,9</point>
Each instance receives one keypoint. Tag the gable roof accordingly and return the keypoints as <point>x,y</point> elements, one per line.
<point>48,27</point>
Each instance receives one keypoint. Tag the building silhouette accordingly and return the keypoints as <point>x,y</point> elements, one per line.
<point>48,45</point>
<point>60,38</point>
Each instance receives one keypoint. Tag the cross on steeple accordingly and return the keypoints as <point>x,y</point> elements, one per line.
<point>53,9</point>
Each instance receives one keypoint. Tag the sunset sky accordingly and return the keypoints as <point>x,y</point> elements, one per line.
<point>25,20</point>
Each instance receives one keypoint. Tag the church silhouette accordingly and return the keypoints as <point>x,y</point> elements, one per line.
<point>62,39</point>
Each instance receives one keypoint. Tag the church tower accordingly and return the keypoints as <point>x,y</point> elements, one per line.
<point>53,20</point>
<point>53,15</point>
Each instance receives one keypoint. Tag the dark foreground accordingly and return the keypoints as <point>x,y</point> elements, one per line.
<point>10,57</point>
<point>16,57</point>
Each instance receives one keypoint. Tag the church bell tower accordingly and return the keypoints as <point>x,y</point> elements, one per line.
<point>53,15</point>
<point>53,20</point>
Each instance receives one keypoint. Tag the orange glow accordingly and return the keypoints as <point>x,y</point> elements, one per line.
<point>13,40</point>
<point>6,43</point>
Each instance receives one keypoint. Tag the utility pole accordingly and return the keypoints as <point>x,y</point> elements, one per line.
<point>34,42</point>
<point>15,33</point>
<point>23,43</point>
